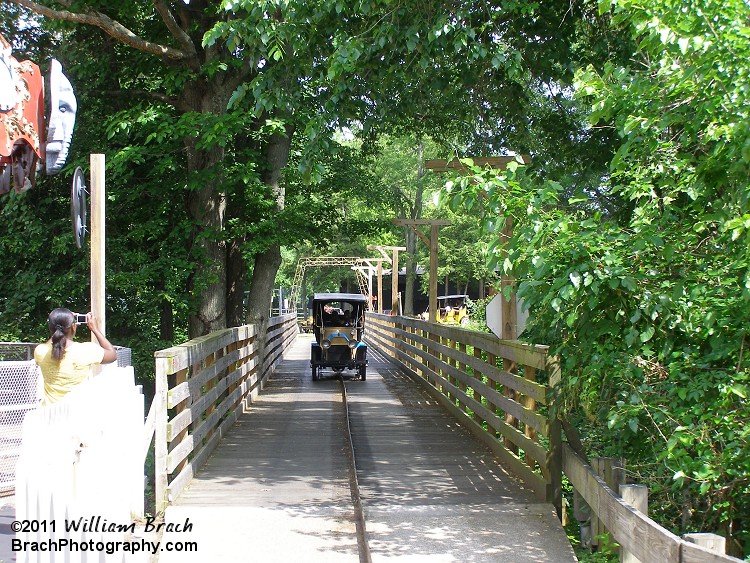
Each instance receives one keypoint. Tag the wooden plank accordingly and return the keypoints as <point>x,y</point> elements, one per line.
<point>419,222</point>
<point>193,385</point>
<point>182,449</point>
<point>638,534</point>
<point>514,350</point>
<point>186,446</point>
<point>533,419</point>
<point>493,421</point>
<point>532,480</point>
<point>554,465</point>
<point>149,429</point>
<point>196,409</point>
<point>196,350</point>
<point>161,419</point>
<point>694,553</point>
<point>536,391</point>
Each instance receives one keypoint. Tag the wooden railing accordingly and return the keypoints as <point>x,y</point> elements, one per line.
<point>637,535</point>
<point>202,387</point>
<point>498,389</point>
<point>501,390</point>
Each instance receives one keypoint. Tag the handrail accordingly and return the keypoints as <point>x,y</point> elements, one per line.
<point>634,531</point>
<point>498,404</point>
<point>202,387</point>
<point>492,386</point>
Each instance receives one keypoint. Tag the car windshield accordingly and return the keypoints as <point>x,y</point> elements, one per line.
<point>338,313</point>
<point>453,301</point>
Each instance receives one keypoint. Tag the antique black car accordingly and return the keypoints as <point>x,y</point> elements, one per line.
<point>338,325</point>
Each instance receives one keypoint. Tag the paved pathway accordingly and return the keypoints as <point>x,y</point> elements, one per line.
<point>276,488</point>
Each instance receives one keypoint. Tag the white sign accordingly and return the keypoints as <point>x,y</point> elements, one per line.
<point>494,313</point>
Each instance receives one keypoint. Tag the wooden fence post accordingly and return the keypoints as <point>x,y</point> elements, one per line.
<point>612,471</point>
<point>554,463</point>
<point>160,435</point>
<point>713,542</point>
<point>637,497</point>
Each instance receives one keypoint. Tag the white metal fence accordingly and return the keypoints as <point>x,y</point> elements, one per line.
<point>81,471</point>
<point>21,390</point>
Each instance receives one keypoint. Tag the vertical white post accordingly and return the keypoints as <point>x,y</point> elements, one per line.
<point>98,197</point>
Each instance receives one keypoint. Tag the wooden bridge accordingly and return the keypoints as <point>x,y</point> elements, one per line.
<point>457,455</point>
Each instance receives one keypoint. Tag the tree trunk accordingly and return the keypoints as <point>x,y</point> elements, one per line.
<point>267,263</point>
<point>261,287</point>
<point>236,270</point>
<point>166,321</point>
<point>206,206</point>
<point>411,238</point>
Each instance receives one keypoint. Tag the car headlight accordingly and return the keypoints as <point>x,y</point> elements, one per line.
<point>326,344</point>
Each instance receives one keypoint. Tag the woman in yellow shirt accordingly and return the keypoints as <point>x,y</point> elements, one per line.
<point>66,363</point>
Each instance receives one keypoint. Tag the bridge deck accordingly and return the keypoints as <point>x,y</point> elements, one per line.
<point>277,489</point>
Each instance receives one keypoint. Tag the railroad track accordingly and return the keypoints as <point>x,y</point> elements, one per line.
<point>359,513</point>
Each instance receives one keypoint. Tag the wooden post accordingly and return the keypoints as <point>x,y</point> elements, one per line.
<point>98,198</point>
<point>380,287</point>
<point>637,497</point>
<point>612,471</point>
<point>712,542</point>
<point>530,374</point>
<point>394,282</point>
<point>554,463</point>
<point>478,376</point>
<point>433,272</point>
<point>161,450</point>
<point>432,244</point>
<point>393,259</point>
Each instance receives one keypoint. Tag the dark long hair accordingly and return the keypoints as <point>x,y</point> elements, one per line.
<point>59,322</point>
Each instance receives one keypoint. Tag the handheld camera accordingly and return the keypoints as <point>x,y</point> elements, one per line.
<point>80,319</point>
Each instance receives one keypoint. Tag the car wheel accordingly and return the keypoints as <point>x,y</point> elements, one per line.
<point>315,373</point>
<point>464,321</point>
<point>363,372</point>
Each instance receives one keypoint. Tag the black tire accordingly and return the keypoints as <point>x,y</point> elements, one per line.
<point>363,372</point>
<point>315,373</point>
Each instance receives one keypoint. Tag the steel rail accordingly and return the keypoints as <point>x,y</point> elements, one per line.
<point>359,513</point>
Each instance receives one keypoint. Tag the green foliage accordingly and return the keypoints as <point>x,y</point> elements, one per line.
<point>647,302</point>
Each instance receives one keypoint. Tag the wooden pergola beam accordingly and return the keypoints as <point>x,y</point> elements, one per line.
<point>394,274</point>
<point>432,244</point>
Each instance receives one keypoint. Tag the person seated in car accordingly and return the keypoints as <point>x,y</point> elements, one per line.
<point>347,320</point>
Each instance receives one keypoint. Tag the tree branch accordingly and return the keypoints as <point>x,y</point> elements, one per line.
<point>156,96</point>
<point>174,28</point>
<point>109,26</point>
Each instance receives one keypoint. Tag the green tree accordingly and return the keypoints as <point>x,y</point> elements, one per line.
<point>658,281</point>
<point>249,75</point>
